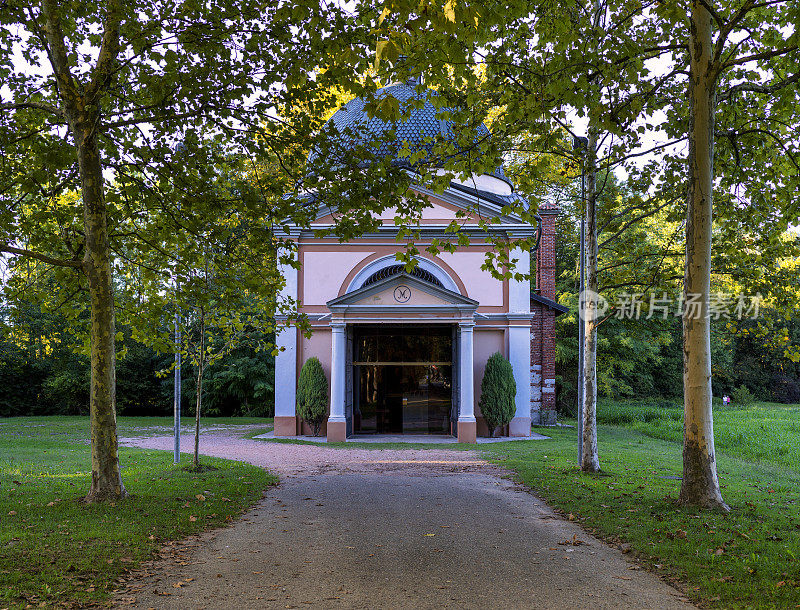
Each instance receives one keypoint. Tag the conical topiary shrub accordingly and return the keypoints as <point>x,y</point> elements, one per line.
<point>498,390</point>
<point>312,394</point>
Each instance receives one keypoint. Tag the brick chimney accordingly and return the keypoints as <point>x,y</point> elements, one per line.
<point>543,331</point>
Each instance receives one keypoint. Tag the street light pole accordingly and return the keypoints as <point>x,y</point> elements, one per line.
<point>176,406</point>
<point>580,145</point>
<point>177,389</point>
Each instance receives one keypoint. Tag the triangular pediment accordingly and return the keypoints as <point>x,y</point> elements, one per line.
<point>402,290</point>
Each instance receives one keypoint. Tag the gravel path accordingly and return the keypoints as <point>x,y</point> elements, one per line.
<point>361,528</point>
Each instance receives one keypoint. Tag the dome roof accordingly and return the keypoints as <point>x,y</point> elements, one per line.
<point>419,129</point>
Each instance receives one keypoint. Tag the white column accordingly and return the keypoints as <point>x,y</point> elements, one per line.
<point>286,371</point>
<point>519,292</point>
<point>338,365</point>
<point>466,400</point>
<point>519,354</point>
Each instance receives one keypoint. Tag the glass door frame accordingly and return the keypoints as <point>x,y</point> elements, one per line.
<point>355,368</point>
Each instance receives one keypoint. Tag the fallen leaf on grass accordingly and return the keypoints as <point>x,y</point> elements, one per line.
<point>192,518</point>
<point>201,497</point>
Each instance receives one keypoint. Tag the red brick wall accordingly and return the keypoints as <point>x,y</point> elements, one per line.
<point>543,332</point>
<point>546,257</point>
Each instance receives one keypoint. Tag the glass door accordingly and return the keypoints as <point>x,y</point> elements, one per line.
<point>404,379</point>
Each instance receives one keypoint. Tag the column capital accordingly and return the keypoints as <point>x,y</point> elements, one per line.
<point>468,325</point>
<point>338,326</point>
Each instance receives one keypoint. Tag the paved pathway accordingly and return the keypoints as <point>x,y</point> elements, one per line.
<point>390,529</point>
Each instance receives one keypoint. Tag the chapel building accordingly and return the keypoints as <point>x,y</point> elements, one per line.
<point>404,353</point>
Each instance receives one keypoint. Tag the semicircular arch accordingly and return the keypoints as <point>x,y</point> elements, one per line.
<point>371,267</point>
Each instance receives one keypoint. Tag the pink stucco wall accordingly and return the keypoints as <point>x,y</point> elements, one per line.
<point>485,343</point>
<point>318,345</point>
<point>480,284</point>
<point>324,272</point>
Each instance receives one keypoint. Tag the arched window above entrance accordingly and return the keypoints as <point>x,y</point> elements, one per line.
<point>417,272</point>
<point>387,266</point>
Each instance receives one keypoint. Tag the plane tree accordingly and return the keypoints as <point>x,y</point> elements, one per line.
<point>133,106</point>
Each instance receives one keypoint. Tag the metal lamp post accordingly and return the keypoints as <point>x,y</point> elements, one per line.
<point>177,388</point>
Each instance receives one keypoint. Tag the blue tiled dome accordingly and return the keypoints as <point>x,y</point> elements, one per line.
<point>419,129</point>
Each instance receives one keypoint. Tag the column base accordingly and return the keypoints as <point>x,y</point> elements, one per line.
<point>285,425</point>
<point>520,427</point>
<point>467,432</point>
<point>337,431</point>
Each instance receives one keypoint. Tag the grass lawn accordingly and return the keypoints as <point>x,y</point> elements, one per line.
<point>749,558</point>
<point>55,549</point>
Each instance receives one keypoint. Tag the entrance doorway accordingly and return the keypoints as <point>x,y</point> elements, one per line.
<point>403,379</point>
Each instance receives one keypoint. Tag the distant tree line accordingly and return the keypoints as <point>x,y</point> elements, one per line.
<point>642,358</point>
<point>44,372</point>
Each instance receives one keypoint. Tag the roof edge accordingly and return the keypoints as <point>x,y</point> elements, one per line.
<point>558,307</point>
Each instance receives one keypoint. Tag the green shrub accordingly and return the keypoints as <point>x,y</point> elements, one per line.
<point>498,390</point>
<point>312,394</point>
<point>742,396</point>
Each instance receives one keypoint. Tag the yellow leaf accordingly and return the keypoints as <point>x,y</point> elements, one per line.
<point>450,10</point>
<point>384,14</point>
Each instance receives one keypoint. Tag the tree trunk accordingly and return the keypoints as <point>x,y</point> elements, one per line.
<point>81,107</point>
<point>590,460</point>
<point>106,477</point>
<point>199,399</point>
<point>700,486</point>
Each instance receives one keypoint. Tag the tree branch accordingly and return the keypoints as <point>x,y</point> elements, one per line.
<point>57,50</point>
<point>756,88</point>
<point>34,105</point>
<point>713,12</point>
<point>109,49</point>
<point>727,27</point>
<point>58,262</point>
<point>757,56</point>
